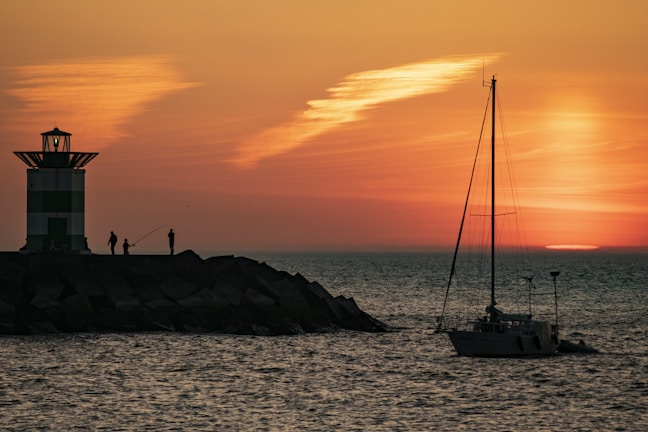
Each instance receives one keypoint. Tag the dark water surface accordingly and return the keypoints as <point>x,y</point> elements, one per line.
<point>410,379</point>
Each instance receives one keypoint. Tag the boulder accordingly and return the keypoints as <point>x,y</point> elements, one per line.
<point>110,278</point>
<point>290,297</point>
<point>259,299</point>
<point>232,294</point>
<point>176,288</point>
<point>203,301</point>
<point>46,300</point>
<point>128,303</point>
<point>164,306</point>
<point>7,318</point>
<point>47,290</point>
<point>11,291</point>
<point>79,313</point>
<point>10,271</point>
<point>85,284</point>
<point>30,320</point>
<point>116,320</point>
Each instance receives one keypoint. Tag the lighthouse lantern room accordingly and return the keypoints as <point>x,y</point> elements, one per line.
<point>55,195</point>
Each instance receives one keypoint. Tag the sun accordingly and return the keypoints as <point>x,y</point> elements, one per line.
<point>572,247</point>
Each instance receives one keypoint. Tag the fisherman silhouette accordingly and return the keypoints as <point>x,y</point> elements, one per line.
<point>112,241</point>
<point>171,240</point>
<point>126,246</point>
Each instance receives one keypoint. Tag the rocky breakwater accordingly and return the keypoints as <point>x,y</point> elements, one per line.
<point>46,293</point>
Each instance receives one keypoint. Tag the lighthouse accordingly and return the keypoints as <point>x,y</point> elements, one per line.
<point>55,195</point>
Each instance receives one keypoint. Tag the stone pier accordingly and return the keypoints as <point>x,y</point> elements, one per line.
<point>50,293</point>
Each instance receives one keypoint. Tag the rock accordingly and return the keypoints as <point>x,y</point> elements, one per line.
<point>84,284</point>
<point>289,297</point>
<point>110,279</point>
<point>128,304</point>
<point>148,290</point>
<point>150,320</point>
<point>259,299</point>
<point>31,320</point>
<point>164,306</point>
<point>43,293</point>
<point>260,330</point>
<point>42,327</point>
<point>116,320</point>
<point>230,293</point>
<point>7,318</point>
<point>323,307</point>
<point>47,290</point>
<point>10,271</point>
<point>11,291</point>
<point>46,299</point>
<point>176,288</point>
<point>79,314</point>
<point>203,302</point>
<point>78,304</point>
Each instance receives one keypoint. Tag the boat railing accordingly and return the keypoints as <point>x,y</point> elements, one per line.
<point>519,326</point>
<point>523,326</point>
<point>453,323</point>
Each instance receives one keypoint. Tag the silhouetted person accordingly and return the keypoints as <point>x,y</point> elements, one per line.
<point>171,240</point>
<point>112,241</point>
<point>126,246</point>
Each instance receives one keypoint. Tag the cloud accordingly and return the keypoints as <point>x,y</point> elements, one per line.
<point>355,94</point>
<point>96,95</point>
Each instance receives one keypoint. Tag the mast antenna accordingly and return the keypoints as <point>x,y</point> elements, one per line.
<point>483,76</point>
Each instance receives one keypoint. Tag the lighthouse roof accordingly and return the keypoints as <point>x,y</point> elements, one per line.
<point>56,131</point>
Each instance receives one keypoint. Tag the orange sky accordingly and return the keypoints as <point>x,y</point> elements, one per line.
<point>328,125</point>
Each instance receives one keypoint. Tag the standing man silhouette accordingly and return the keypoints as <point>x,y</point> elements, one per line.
<point>171,240</point>
<point>126,246</point>
<point>112,241</point>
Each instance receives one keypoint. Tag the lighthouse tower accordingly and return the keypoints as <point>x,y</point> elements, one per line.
<point>55,195</point>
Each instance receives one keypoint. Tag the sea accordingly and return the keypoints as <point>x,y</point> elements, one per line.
<point>409,379</point>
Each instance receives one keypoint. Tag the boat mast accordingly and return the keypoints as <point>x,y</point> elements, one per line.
<point>493,81</point>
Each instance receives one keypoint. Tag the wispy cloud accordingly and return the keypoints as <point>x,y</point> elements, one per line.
<point>355,94</point>
<point>99,94</point>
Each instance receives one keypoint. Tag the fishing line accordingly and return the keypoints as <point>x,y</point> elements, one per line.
<point>148,234</point>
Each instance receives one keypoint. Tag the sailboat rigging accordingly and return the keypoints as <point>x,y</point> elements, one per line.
<point>497,334</point>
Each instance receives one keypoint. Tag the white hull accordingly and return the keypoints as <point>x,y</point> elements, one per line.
<point>509,344</point>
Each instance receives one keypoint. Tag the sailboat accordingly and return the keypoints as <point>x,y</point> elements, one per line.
<point>498,334</point>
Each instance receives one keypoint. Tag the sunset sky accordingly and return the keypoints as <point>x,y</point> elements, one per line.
<point>338,125</point>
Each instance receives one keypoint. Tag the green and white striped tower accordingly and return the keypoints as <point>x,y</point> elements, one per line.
<point>55,195</point>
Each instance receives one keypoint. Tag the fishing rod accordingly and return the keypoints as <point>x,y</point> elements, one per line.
<point>148,234</point>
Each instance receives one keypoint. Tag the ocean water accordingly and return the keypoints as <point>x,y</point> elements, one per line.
<point>407,380</point>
